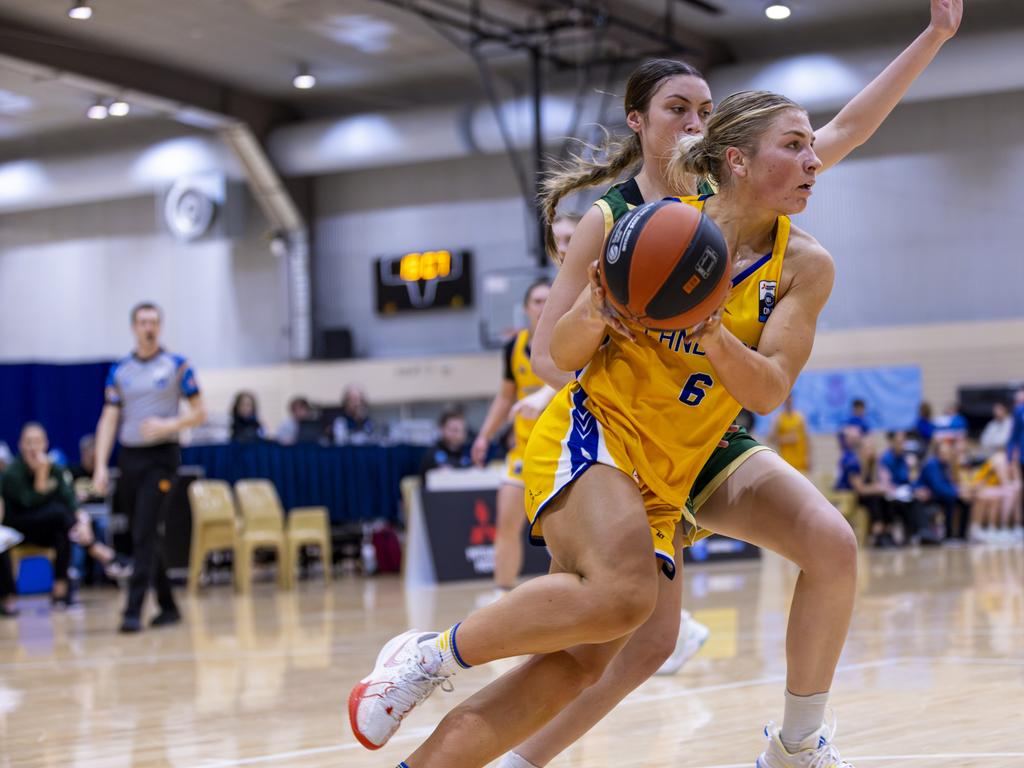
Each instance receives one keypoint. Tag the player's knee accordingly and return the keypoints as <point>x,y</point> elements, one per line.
<point>835,548</point>
<point>584,670</point>
<point>629,601</point>
<point>648,656</point>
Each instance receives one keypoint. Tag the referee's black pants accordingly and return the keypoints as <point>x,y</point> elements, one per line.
<point>143,493</point>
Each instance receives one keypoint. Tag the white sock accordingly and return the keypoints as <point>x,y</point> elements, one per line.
<point>804,715</point>
<point>441,655</point>
<point>513,760</point>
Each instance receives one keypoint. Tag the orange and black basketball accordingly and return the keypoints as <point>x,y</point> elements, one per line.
<point>665,266</point>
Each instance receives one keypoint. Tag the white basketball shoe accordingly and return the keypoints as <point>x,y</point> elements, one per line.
<point>398,683</point>
<point>692,635</point>
<point>816,751</point>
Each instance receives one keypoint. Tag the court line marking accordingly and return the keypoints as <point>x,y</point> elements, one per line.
<point>225,655</point>
<point>887,758</point>
<point>424,731</point>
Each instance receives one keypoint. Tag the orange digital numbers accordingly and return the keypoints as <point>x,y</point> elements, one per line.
<point>428,265</point>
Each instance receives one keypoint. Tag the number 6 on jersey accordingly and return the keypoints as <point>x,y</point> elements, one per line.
<point>696,387</point>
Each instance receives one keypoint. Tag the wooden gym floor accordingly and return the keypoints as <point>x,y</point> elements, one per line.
<point>932,675</point>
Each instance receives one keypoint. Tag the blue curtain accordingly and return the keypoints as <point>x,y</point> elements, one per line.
<point>354,482</point>
<point>66,399</point>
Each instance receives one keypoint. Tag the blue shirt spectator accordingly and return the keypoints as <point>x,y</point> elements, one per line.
<point>924,429</point>
<point>897,467</point>
<point>950,425</point>
<point>936,479</point>
<point>849,464</point>
<point>856,422</point>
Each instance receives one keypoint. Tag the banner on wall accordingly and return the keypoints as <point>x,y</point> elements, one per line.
<point>892,395</point>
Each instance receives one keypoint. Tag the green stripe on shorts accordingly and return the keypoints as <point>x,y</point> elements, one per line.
<point>739,443</point>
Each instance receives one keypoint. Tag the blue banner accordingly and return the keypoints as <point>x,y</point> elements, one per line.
<point>892,396</point>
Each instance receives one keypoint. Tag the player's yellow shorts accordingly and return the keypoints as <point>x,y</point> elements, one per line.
<point>514,466</point>
<point>568,440</point>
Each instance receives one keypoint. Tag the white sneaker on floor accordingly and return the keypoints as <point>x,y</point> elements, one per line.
<point>692,635</point>
<point>398,683</point>
<point>816,751</point>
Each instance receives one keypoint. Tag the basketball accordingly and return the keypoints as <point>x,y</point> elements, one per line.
<point>665,266</point>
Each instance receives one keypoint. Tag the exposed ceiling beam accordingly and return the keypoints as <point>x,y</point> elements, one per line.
<point>102,62</point>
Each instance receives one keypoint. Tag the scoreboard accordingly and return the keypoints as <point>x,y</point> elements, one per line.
<point>438,279</point>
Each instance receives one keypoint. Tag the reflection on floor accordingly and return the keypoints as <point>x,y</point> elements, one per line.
<point>932,675</point>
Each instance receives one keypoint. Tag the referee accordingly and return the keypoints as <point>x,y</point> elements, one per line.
<point>141,406</point>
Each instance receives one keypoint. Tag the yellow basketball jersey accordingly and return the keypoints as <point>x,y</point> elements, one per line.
<point>659,393</point>
<point>527,382</point>
<point>795,452</point>
<point>985,475</point>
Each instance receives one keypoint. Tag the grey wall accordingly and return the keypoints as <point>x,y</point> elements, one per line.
<point>468,203</point>
<point>924,221</point>
<point>69,276</point>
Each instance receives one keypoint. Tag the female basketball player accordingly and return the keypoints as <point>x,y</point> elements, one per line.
<point>635,447</point>
<point>419,662</point>
<point>744,491</point>
<point>518,382</point>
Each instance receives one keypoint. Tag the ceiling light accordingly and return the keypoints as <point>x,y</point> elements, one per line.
<point>304,79</point>
<point>777,11</point>
<point>80,10</point>
<point>118,108</point>
<point>97,111</point>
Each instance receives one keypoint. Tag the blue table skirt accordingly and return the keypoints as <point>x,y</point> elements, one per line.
<point>354,482</point>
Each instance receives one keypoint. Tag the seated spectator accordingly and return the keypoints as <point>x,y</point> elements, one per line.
<point>452,450</point>
<point>855,423</point>
<point>354,425</point>
<point>924,428</point>
<point>789,436</point>
<point>936,487</point>
<point>245,420</point>
<point>82,472</point>
<point>858,472</point>
<point>301,426</point>
<point>86,493</point>
<point>951,425</point>
<point>41,505</point>
<point>996,435</point>
<point>995,489</point>
<point>894,477</point>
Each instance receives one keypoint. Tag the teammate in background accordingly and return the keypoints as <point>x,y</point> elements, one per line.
<point>142,409</point>
<point>995,492</point>
<point>789,436</point>
<point>518,381</point>
<point>562,227</point>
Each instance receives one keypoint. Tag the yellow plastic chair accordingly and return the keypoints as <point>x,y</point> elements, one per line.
<point>262,528</point>
<point>308,525</point>
<point>214,525</point>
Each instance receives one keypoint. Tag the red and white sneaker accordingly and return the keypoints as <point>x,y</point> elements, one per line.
<point>398,683</point>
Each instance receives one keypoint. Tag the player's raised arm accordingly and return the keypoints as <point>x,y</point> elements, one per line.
<point>860,118</point>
